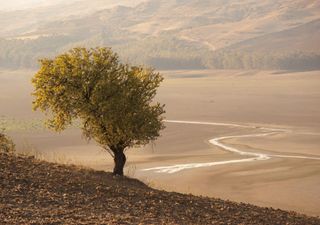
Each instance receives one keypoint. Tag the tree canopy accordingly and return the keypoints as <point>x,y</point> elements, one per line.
<point>113,101</point>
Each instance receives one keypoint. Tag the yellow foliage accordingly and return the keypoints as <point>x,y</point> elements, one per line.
<point>113,101</point>
<point>6,144</point>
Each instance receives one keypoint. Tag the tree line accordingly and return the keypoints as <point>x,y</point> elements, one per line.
<point>162,53</point>
<point>265,61</point>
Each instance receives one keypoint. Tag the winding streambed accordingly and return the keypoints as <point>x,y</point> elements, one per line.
<point>253,156</point>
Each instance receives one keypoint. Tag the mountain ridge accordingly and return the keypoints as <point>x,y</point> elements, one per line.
<point>180,31</point>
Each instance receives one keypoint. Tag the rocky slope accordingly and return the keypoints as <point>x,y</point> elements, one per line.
<point>37,192</point>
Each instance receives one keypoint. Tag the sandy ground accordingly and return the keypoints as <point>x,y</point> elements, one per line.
<point>271,99</point>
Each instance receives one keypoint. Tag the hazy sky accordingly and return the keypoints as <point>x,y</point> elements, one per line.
<point>21,4</point>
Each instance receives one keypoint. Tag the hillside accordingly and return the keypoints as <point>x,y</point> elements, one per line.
<point>20,23</point>
<point>39,192</point>
<point>297,48</point>
<point>173,34</point>
<point>301,38</point>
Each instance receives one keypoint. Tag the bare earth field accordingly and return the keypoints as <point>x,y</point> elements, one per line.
<point>254,99</point>
<point>39,192</point>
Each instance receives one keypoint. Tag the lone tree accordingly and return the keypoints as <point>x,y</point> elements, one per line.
<point>113,101</point>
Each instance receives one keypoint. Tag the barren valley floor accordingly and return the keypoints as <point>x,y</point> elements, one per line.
<point>272,99</point>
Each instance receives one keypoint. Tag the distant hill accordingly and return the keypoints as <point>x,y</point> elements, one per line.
<point>16,5</point>
<point>33,20</point>
<point>165,34</point>
<point>39,192</point>
<point>303,38</point>
<point>297,48</point>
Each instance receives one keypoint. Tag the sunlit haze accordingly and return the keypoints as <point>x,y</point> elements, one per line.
<point>22,4</point>
<point>219,98</point>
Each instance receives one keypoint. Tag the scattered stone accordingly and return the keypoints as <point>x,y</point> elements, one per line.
<point>37,192</point>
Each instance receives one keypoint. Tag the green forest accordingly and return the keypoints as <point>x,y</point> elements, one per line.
<point>164,52</point>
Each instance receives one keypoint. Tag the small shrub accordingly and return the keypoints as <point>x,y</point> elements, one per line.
<point>6,144</point>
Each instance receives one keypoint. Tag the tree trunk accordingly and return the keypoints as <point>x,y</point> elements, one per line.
<point>119,161</point>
